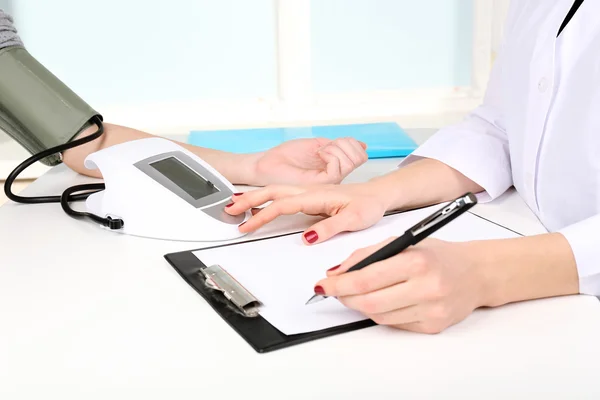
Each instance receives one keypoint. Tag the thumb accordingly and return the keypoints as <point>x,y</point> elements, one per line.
<point>329,227</point>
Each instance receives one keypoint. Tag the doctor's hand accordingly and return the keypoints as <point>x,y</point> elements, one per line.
<point>309,161</point>
<point>350,207</point>
<point>426,288</point>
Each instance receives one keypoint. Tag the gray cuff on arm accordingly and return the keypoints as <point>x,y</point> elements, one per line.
<point>8,33</point>
<point>36,109</point>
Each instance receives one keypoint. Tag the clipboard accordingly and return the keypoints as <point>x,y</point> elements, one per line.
<point>238,307</point>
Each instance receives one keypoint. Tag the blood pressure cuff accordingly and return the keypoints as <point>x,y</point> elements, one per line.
<point>36,108</point>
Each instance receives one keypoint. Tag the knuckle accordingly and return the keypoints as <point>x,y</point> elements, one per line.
<point>353,219</point>
<point>346,166</point>
<point>277,206</point>
<point>419,258</point>
<point>361,286</point>
<point>287,202</point>
<point>439,313</point>
<point>336,286</point>
<point>418,263</point>
<point>324,231</point>
<point>368,305</point>
<point>438,288</point>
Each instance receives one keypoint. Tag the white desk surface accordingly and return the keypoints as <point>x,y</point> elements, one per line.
<point>89,314</point>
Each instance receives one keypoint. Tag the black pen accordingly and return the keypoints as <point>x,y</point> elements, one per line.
<point>415,234</point>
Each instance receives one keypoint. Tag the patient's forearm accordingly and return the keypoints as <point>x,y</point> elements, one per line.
<point>237,168</point>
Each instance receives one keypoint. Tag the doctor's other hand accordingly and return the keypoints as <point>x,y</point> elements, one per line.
<point>426,288</point>
<point>309,161</point>
<point>349,207</point>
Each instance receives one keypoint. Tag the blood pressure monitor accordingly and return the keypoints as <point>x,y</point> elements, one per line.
<point>161,190</point>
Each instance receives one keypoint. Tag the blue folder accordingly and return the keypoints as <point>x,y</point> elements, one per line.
<point>385,139</point>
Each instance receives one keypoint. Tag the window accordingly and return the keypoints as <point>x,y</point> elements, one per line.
<point>194,63</point>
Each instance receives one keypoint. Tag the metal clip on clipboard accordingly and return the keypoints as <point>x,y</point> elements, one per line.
<point>219,279</point>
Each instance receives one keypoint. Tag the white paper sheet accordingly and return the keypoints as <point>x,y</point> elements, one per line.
<point>281,272</point>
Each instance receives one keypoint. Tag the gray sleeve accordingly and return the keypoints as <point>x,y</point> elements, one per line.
<point>8,33</point>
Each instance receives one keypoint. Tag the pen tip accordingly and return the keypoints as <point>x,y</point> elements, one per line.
<point>315,299</point>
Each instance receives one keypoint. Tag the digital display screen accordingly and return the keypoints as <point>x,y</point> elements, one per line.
<point>184,177</point>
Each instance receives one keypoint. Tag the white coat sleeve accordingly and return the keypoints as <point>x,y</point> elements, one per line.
<point>478,146</point>
<point>583,239</point>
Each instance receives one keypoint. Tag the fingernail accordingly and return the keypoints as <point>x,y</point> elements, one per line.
<point>242,224</point>
<point>333,268</point>
<point>238,194</point>
<point>311,236</point>
<point>319,290</point>
<point>229,205</point>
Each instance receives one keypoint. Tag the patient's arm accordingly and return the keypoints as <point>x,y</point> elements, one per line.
<point>237,168</point>
<point>300,161</point>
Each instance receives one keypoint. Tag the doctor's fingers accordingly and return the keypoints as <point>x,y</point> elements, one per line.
<point>377,276</point>
<point>347,215</point>
<point>255,198</point>
<point>384,300</point>
<point>344,221</point>
<point>309,203</point>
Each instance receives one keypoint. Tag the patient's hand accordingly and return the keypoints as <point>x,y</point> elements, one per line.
<point>308,161</point>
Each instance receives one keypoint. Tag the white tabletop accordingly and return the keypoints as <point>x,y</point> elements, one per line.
<point>89,314</point>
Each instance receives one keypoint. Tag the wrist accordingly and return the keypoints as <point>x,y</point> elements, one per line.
<point>489,278</point>
<point>242,169</point>
<point>526,268</point>
<point>239,169</point>
<point>388,192</point>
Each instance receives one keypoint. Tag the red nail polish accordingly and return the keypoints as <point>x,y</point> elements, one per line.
<point>311,236</point>
<point>319,290</point>
<point>242,223</point>
<point>333,268</point>
<point>229,205</point>
<point>238,194</point>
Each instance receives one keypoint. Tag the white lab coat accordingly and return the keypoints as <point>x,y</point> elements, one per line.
<point>539,126</point>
